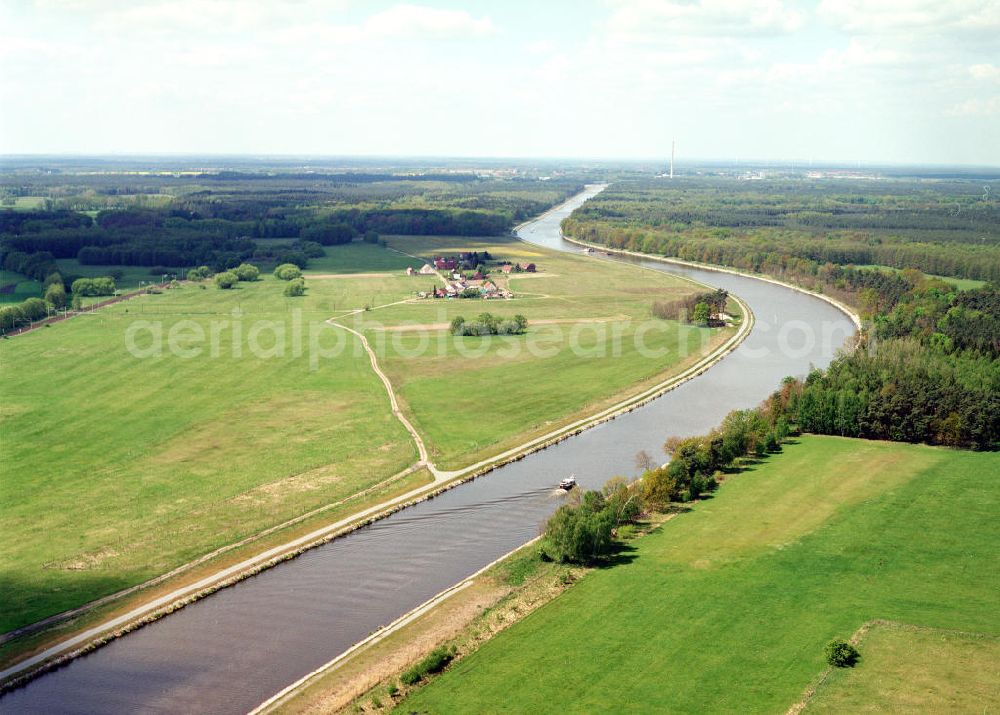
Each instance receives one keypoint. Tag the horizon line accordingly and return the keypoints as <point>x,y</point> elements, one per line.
<point>804,163</point>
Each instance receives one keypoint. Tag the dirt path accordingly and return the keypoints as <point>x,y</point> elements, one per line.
<point>421,447</point>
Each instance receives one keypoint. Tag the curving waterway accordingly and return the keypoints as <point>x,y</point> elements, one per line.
<point>234,649</point>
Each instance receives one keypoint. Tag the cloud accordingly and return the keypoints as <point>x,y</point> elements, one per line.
<point>986,107</point>
<point>927,16</point>
<point>15,46</point>
<point>417,21</point>
<point>187,17</point>
<point>622,77</point>
<point>663,20</point>
<point>860,53</point>
<point>540,47</point>
<point>985,72</point>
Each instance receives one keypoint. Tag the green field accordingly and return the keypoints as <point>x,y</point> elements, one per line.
<point>18,287</point>
<point>24,203</point>
<point>118,468</point>
<point>360,257</point>
<point>960,283</point>
<point>727,607</point>
<point>915,670</point>
<point>582,350</point>
<point>349,258</point>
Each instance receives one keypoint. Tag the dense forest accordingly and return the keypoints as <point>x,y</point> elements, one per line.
<point>928,365</point>
<point>171,222</point>
<point>944,227</point>
<point>218,225</point>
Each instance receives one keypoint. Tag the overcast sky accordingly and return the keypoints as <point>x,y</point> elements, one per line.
<point>905,81</point>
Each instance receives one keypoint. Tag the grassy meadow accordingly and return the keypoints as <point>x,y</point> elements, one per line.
<point>588,322</point>
<point>17,287</point>
<point>359,257</point>
<point>117,468</point>
<point>24,203</point>
<point>727,607</point>
<point>915,670</point>
<point>119,465</point>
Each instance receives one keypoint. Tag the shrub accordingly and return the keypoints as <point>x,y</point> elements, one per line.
<point>226,280</point>
<point>669,309</point>
<point>392,689</point>
<point>410,677</point>
<point>55,295</point>
<point>841,654</point>
<point>11,316</point>
<point>199,273</point>
<point>437,659</point>
<point>434,662</point>
<point>700,314</point>
<point>93,286</point>
<point>309,249</point>
<point>287,272</point>
<point>35,308</point>
<point>54,278</point>
<point>246,272</point>
<point>295,288</point>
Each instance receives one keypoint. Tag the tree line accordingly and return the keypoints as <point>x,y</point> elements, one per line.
<point>927,370</point>
<point>489,324</point>
<point>764,229</point>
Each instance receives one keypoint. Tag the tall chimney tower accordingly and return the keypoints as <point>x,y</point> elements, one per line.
<point>673,146</point>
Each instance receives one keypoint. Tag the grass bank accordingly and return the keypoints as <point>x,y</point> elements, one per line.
<point>728,607</point>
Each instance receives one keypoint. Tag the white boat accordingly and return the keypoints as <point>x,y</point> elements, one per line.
<point>568,483</point>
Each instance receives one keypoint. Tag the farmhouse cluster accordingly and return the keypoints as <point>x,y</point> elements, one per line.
<point>467,275</point>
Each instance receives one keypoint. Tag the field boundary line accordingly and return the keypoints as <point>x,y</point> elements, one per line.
<point>393,402</point>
